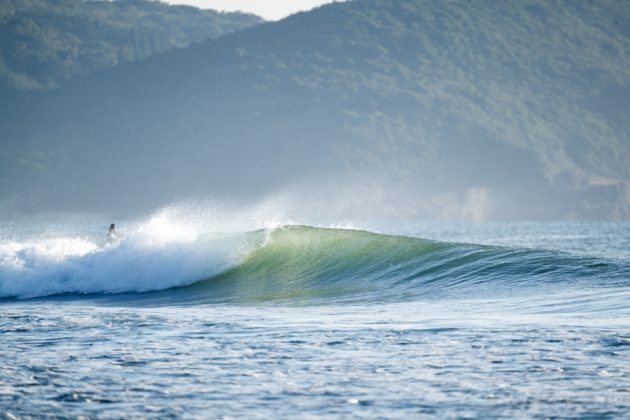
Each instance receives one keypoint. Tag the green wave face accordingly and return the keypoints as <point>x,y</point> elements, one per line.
<point>299,263</point>
<point>304,262</point>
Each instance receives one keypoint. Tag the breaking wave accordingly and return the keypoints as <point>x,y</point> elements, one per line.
<point>288,263</point>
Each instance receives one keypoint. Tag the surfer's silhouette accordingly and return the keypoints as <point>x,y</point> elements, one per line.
<point>112,235</point>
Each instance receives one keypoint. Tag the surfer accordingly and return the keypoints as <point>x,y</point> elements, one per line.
<point>112,235</point>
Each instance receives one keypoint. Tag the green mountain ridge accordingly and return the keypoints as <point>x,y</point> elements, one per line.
<point>46,43</point>
<point>457,109</point>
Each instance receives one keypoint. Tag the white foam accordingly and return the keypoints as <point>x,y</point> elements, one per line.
<point>158,254</point>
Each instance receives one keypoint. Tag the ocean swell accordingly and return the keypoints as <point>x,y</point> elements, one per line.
<point>289,263</point>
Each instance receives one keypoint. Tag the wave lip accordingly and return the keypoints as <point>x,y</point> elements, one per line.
<point>293,263</point>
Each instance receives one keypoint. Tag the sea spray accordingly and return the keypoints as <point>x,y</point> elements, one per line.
<point>154,255</point>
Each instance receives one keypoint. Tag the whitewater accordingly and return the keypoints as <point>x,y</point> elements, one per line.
<point>196,313</point>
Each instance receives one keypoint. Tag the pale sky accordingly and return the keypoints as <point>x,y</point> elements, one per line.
<point>268,9</point>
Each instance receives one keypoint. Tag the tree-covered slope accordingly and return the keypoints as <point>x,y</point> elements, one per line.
<point>45,43</point>
<point>463,109</point>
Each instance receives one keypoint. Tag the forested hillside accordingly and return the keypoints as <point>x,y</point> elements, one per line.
<point>45,43</point>
<point>449,109</point>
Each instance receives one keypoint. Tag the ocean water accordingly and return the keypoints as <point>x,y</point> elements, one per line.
<point>197,317</point>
